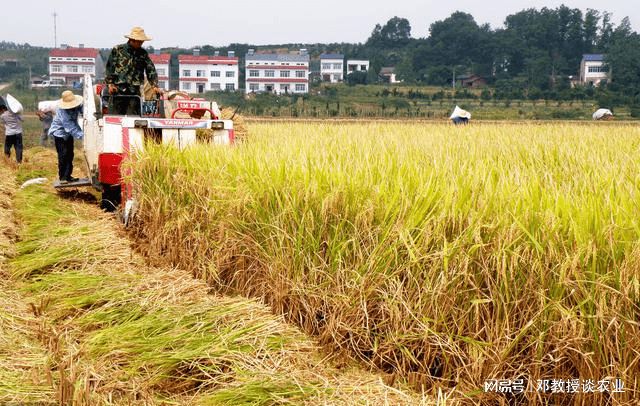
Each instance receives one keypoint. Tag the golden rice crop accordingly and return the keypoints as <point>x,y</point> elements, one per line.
<point>447,256</point>
<point>86,321</point>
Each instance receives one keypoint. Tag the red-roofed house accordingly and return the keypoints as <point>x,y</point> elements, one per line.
<point>203,73</point>
<point>68,65</point>
<point>161,61</point>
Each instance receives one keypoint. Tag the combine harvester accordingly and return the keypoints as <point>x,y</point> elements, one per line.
<point>111,139</point>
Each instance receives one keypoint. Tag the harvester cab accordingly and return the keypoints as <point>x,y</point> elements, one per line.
<point>110,139</point>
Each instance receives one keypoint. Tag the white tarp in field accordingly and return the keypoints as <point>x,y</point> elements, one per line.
<point>14,105</point>
<point>602,113</point>
<point>458,112</point>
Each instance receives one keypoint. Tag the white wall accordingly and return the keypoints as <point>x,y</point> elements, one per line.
<point>595,77</point>
<point>163,77</point>
<point>333,68</point>
<point>359,64</point>
<point>288,77</point>
<point>208,82</point>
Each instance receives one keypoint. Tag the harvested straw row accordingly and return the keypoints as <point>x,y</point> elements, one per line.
<point>24,362</point>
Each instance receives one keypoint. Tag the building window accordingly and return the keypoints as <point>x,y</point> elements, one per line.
<point>230,74</point>
<point>300,87</point>
<point>215,86</point>
<point>254,87</point>
<point>254,73</point>
<point>72,68</point>
<point>186,86</point>
<point>299,73</point>
<point>337,66</point>
<point>186,73</point>
<point>161,72</point>
<point>326,66</point>
<point>87,69</point>
<point>230,86</point>
<point>363,67</point>
<point>284,73</point>
<point>284,88</point>
<point>200,73</point>
<point>269,73</point>
<point>161,84</point>
<point>597,69</point>
<point>56,68</point>
<point>215,73</point>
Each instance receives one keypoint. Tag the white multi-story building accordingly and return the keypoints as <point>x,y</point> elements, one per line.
<point>593,69</point>
<point>161,62</point>
<point>277,73</point>
<point>332,67</point>
<point>201,73</point>
<point>357,65</point>
<point>68,65</point>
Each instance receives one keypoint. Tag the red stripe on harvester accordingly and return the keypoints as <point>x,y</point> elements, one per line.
<point>109,168</point>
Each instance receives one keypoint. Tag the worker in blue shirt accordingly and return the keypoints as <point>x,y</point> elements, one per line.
<point>64,129</point>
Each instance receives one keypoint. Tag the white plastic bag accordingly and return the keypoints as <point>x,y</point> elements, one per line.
<point>602,113</point>
<point>458,112</point>
<point>14,105</point>
<point>48,105</point>
<point>36,181</point>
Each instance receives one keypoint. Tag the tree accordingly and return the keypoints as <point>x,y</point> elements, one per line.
<point>356,78</point>
<point>395,33</point>
<point>623,59</point>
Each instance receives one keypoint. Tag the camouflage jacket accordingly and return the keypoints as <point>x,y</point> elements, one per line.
<point>126,67</point>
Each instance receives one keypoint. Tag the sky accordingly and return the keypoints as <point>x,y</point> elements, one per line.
<point>103,23</point>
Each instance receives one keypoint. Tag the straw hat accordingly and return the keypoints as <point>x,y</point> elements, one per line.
<point>138,34</point>
<point>69,100</point>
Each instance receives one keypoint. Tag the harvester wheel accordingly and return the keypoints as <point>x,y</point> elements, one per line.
<point>111,197</point>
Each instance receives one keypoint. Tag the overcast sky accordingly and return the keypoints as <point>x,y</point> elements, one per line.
<point>190,23</point>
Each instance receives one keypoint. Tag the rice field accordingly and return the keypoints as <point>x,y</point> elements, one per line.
<point>443,256</point>
<point>86,320</point>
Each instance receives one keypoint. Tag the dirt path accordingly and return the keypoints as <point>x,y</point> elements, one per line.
<point>88,322</point>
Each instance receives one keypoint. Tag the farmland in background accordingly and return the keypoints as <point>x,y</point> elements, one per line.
<point>383,102</point>
<point>445,256</point>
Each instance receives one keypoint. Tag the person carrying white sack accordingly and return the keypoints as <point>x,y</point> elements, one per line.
<point>46,118</point>
<point>12,130</point>
<point>64,129</point>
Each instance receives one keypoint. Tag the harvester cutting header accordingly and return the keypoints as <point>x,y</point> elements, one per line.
<point>111,138</point>
<point>118,120</point>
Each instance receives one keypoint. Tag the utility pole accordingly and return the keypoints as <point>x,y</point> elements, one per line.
<point>55,30</point>
<point>453,82</point>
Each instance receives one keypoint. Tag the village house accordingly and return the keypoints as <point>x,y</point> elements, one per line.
<point>471,81</point>
<point>388,74</point>
<point>593,70</point>
<point>357,65</point>
<point>277,73</point>
<point>161,62</point>
<point>332,67</point>
<point>202,73</point>
<point>67,65</point>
